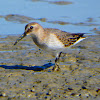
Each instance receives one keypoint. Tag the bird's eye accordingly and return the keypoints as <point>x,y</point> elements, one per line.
<point>31,27</point>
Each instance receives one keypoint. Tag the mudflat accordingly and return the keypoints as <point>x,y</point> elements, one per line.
<point>26,71</point>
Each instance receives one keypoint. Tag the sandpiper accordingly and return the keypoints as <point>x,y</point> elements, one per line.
<point>51,39</point>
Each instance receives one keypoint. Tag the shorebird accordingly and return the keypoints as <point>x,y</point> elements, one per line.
<point>51,39</point>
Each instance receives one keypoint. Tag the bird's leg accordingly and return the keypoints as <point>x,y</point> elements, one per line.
<point>56,66</point>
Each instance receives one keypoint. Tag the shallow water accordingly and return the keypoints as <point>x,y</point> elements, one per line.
<point>25,71</point>
<point>71,16</point>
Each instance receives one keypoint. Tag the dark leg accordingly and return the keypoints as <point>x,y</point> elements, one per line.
<point>56,66</point>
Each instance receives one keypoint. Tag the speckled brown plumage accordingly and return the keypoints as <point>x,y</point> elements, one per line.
<point>66,38</point>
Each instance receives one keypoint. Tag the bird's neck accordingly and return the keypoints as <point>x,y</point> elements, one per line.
<point>39,35</point>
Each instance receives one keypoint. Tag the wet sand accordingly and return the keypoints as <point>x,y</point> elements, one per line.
<point>26,72</point>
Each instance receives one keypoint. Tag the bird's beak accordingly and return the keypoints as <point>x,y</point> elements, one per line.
<point>20,38</point>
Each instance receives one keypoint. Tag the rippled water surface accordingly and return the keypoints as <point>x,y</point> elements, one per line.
<point>71,16</point>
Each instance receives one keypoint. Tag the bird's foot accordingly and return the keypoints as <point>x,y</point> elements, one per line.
<point>56,67</point>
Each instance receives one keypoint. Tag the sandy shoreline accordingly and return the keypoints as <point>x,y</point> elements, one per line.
<point>23,76</point>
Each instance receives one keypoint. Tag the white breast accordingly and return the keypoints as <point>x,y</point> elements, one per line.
<point>54,43</point>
